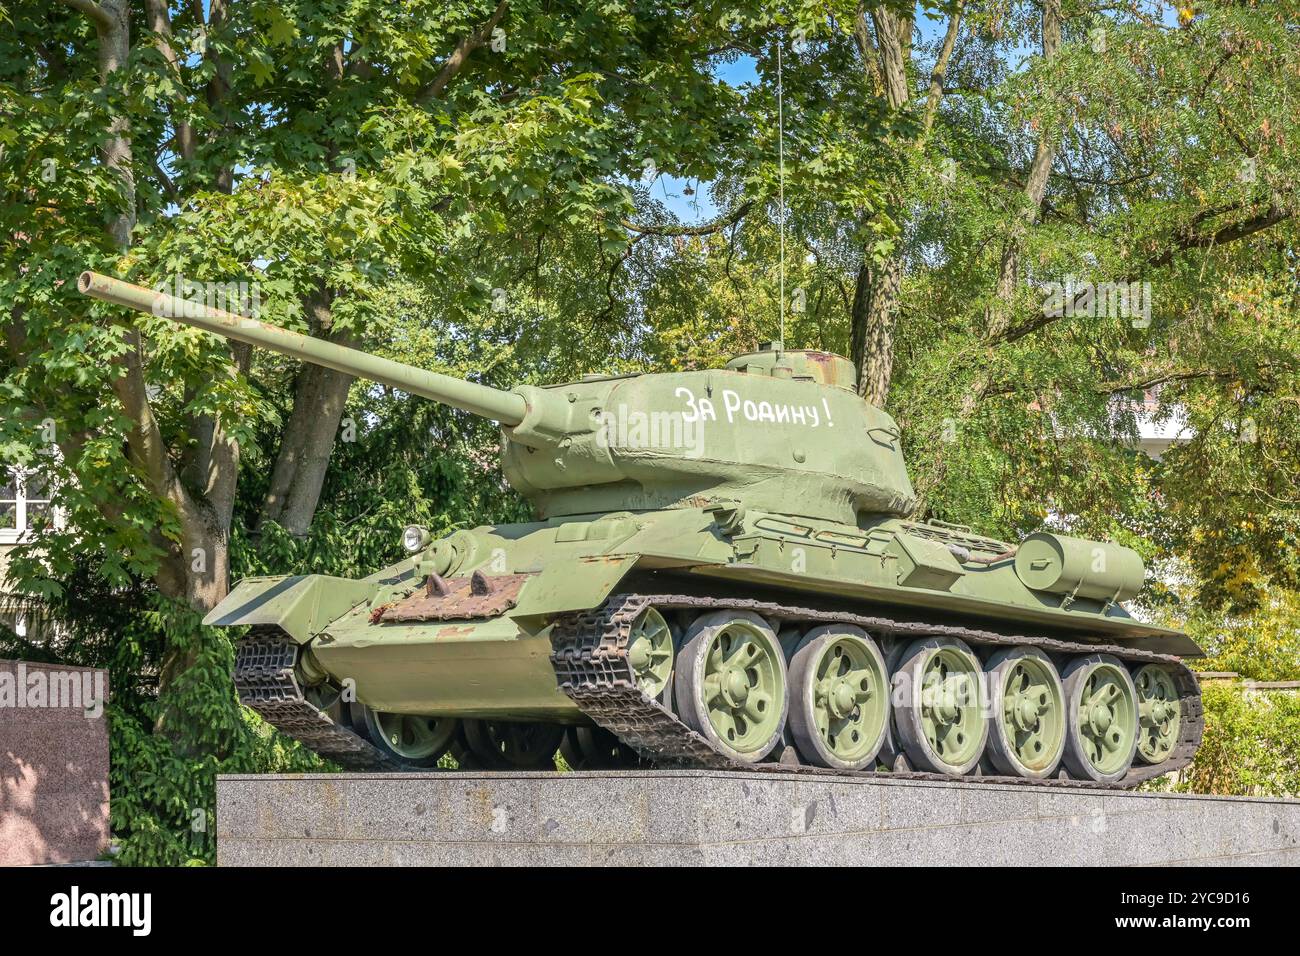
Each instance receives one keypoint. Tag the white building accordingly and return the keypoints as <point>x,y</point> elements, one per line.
<point>24,508</point>
<point>1157,432</point>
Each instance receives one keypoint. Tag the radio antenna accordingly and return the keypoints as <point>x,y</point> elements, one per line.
<point>780,152</point>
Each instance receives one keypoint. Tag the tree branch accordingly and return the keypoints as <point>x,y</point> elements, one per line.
<point>169,187</point>
<point>145,442</point>
<point>704,230</point>
<point>1227,234</point>
<point>223,456</point>
<point>102,18</point>
<point>941,67</point>
<point>615,266</point>
<point>459,56</point>
<point>996,318</point>
<point>1230,233</point>
<point>1115,388</point>
<point>160,25</point>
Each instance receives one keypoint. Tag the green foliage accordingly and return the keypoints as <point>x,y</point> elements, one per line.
<point>392,476</point>
<point>501,228</point>
<point>514,177</point>
<point>164,784</point>
<point>1262,644</point>
<point>1251,745</point>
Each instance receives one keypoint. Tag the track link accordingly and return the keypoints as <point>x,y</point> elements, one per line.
<point>266,682</point>
<point>592,667</point>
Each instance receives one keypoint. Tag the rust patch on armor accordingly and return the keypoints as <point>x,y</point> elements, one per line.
<point>477,595</point>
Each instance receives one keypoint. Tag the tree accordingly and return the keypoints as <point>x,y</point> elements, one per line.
<point>314,152</point>
<point>471,186</point>
<point>1130,149</point>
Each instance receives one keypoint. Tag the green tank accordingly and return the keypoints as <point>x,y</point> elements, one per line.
<point>722,573</point>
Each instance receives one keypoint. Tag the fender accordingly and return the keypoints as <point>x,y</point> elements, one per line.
<point>301,605</point>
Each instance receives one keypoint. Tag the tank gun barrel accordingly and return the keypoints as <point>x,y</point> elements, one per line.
<point>508,408</point>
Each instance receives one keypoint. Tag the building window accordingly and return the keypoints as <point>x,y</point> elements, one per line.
<point>24,504</point>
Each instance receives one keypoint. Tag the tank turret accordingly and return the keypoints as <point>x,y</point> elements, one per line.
<point>775,430</point>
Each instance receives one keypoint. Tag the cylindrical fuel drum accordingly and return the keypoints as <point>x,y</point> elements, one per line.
<point>1088,569</point>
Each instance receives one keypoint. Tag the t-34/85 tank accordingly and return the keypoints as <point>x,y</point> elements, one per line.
<point>722,572</point>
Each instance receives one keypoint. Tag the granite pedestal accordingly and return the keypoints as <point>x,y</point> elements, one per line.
<point>676,818</point>
<point>53,763</point>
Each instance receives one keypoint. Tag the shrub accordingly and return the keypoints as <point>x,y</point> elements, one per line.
<point>1251,745</point>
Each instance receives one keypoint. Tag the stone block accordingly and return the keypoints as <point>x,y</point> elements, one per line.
<point>690,818</point>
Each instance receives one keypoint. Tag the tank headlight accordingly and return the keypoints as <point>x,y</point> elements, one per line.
<point>414,538</point>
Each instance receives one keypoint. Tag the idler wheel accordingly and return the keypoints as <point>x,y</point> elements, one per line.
<point>513,745</point>
<point>1027,705</point>
<point>650,652</point>
<point>940,706</point>
<point>730,684</point>
<point>1101,718</point>
<point>839,698</point>
<point>1159,713</point>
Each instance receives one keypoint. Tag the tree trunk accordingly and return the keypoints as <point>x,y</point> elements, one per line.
<point>875,301</point>
<point>114,48</point>
<point>218,87</point>
<point>318,403</point>
<point>320,397</point>
<point>195,573</point>
<point>998,315</point>
<point>875,296</point>
<point>894,43</point>
<point>197,570</point>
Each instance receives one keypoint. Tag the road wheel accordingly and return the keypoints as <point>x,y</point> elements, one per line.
<point>1027,707</point>
<point>839,698</point>
<point>408,738</point>
<point>513,745</point>
<point>1101,718</point>
<point>1159,713</point>
<point>730,684</point>
<point>939,706</point>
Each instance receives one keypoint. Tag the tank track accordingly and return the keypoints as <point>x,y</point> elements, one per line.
<point>265,681</point>
<point>592,667</point>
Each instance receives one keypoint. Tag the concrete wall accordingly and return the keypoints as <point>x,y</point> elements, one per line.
<point>707,817</point>
<point>53,763</point>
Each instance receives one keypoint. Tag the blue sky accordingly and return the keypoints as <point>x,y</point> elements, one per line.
<point>698,207</point>
<point>670,190</point>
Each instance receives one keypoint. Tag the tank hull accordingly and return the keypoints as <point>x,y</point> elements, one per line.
<point>498,665</point>
<point>491,669</point>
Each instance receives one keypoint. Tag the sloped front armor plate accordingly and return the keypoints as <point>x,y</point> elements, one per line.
<point>473,596</point>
